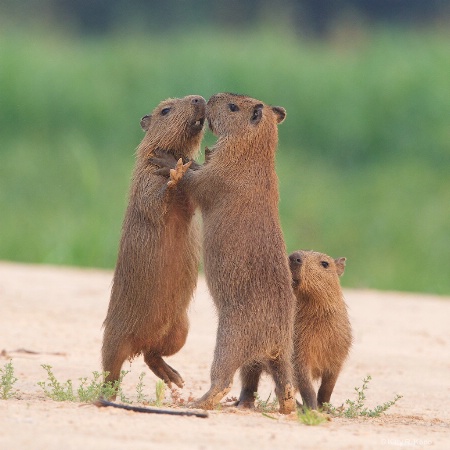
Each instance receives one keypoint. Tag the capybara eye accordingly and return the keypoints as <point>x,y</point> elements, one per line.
<point>165,111</point>
<point>324,264</point>
<point>233,107</point>
<point>298,260</point>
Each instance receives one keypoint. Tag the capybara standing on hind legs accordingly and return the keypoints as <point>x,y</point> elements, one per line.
<point>157,265</point>
<point>246,265</point>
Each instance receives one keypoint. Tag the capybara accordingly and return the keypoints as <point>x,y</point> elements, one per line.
<point>157,264</point>
<point>323,334</point>
<point>245,260</point>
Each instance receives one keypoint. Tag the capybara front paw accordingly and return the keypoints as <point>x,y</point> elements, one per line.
<point>163,160</point>
<point>178,173</point>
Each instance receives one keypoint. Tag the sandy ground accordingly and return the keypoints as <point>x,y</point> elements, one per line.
<point>401,340</point>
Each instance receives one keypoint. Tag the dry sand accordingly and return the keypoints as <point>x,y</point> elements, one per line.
<point>401,340</point>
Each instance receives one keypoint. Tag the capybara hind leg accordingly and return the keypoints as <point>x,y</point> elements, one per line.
<point>174,340</point>
<point>281,371</point>
<point>326,388</point>
<point>170,344</point>
<point>305,386</point>
<point>216,393</point>
<point>162,370</point>
<point>250,375</point>
<point>223,368</point>
<point>113,356</point>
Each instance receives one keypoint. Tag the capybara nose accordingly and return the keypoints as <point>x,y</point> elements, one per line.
<point>198,100</point>
<point>295,258</point>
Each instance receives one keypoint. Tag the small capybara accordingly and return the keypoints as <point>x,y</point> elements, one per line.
<point>322,335</point>
<point>245,261</point>
<point>159,252</point>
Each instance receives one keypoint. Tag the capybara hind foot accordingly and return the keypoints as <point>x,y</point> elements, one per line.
<point>211,399</point>
<point>162,370</point>
<point>178,173</point>
<point>287,401</point>
<point>245,405</point>
<point>246,400</point>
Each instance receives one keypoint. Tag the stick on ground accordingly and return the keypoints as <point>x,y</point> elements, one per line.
<point>102,403</point>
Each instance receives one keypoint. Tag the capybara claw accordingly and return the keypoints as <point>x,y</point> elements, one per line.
<point>168,374</point>
<point>177,174</point>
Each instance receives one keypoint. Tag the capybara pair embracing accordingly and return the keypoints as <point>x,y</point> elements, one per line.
<point>246,266</point>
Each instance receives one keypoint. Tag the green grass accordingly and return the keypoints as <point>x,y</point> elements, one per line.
<point>7,380</point>
<point>362,161</point>
<point>141,398</point>
<point>390,221</point>
<point>88,390</point>
<point>91,389</point>
<point>356,408</point>
<point>266,406</point>
<point>311,417</point>
<point>160,391</point>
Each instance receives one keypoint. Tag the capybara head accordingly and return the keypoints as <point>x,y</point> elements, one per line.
<point>176,124</point>
<point>234,114</point>
<point>315,273</point>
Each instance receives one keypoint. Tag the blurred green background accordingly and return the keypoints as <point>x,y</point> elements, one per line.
<point>364,153</point>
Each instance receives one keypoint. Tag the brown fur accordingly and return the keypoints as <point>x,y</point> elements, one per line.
<point>323,332</point>
<point>322,337</point>
<point>246,265</point>
<point>157,265</point>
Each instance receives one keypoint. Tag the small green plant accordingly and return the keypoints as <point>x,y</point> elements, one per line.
<point>88,391</point>
<point>141,398</point>
<point>266,405</point>
<point>356,408</point>
<point>54,389</point>
<point>310,417</point>
<point>7,381</point>
<point>160,391</point>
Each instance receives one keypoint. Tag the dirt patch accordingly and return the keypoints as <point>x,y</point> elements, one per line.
<point>53,316</point>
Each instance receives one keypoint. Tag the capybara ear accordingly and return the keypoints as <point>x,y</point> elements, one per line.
<point>340,265</point>
<point>145,122</point>
<point>280,112</point>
